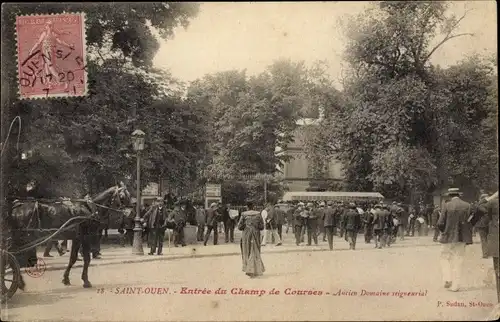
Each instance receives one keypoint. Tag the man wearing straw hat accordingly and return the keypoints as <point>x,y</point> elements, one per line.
<point>456,232</point>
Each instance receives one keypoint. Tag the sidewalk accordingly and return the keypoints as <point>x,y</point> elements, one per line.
<point>113,254</point>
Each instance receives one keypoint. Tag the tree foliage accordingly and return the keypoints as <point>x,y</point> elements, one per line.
<point>250,117</point>
<point>83,143</point>
<point>405,126</point>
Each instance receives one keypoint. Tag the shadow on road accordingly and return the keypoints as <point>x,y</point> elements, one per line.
<point>274,275</point>
<point>477,288</point>
<point>45,298</point>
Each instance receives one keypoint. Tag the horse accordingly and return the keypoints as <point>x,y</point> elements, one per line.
<point>38,215</point>
<point>104,210</point>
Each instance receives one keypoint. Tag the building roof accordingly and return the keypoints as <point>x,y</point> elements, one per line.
<point>330,195</point>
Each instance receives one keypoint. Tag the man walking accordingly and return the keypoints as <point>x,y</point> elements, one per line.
<point>368,221</point>
<point>456,232</point>
<point>380,226</point>
<point>211,220</point>
<point>298,222</point>
<point>312,224</point>
<point>351,224</point>
<point>329,223</point>
<point>320,213</point>
<point>270,223</point>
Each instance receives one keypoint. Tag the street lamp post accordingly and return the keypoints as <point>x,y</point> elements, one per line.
<point>138,142</point>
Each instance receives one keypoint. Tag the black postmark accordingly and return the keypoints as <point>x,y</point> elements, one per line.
<point>35,71</point>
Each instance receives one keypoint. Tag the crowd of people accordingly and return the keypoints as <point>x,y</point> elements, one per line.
<point>310,222</point>
<point>381,223</point>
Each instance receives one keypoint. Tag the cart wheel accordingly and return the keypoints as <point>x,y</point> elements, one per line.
<point>10,275</point>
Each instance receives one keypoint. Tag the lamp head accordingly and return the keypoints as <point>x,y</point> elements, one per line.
<point>138,138</point>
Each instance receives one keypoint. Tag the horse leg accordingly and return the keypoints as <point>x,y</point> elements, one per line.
<point>75,245</point>
<point>22,284</point>
<point>86,262</point>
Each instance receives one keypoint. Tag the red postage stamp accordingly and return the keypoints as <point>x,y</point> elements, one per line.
<point>51,55</point>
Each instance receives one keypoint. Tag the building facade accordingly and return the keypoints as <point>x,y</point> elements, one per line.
<point>298,172</point>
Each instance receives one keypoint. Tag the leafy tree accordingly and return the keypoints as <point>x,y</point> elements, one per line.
<point>406,127</point>
<point>90,136</point>
<point>251,116</point>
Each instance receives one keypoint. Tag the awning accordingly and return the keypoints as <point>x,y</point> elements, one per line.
<point>331,195</point>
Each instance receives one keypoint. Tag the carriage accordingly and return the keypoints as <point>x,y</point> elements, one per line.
<point>10,265</point>
<point>10,274</point>
<point>77,219</point>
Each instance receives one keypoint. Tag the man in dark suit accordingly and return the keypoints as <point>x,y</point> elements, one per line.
<point>341,213</point>
<point>279,220</point>
<point>178,215</point>
<point>482,227</point>
<point>381,225</point>
<point>351,224</point>
<point>298,222</point>
<point>156,220</point>
<point>200,222</point>
<point>329,223</point>
<point>456,232</point>
<point>489,207</point>
<point>211,221</point>
<point>367,219</point>
<point>312,224</point>
<point>289,217</point>
<point>434,219</point>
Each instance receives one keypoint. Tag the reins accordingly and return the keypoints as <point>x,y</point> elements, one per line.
<point>64,227</point>
<point>43,240</point>
<point>69,199</point>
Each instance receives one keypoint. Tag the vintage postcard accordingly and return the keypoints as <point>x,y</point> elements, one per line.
<point>249,161</point>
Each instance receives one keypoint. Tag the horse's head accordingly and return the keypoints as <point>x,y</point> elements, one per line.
<point>122,197</point>
<point>116,197</point>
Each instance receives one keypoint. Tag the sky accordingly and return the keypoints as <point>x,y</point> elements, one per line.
<point>251,36</point>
